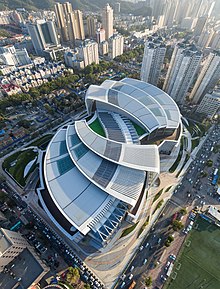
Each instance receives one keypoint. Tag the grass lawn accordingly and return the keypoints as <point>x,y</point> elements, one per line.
<point>140,131</point>
<point>97,127</point>
<point>200,261</point>
<point>128,230</point>
<point>195,143</point>
<point>20,160</point>
<point>42,142</point>
<point>157,195</point>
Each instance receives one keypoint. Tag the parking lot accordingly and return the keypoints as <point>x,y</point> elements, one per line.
<point>49,245</point>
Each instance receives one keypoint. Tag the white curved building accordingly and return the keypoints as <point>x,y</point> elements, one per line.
<point>98,171</point>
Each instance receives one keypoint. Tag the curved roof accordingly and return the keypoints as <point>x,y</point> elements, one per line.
<point>141,157</point>
<point>88,175</point>
<point>105,174</point>
<point>69,188</point>
<point>166,102</point>
<point>147,103</point>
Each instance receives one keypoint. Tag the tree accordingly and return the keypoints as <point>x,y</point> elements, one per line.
<point>88,70</point>
<point>169,240</point>
<point>183,211</point>
<point>204,174</point>
<point>148,281</point>
<point>177,225</point>
<point>24,123</point>
<point>209,163</point>
<point>73,275</point>
<point>87,286</point>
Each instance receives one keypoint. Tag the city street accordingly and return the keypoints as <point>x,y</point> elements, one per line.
<point>191,190</point>
<point>144,258</point>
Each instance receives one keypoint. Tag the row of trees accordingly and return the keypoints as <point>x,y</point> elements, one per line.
<point>136,53</point>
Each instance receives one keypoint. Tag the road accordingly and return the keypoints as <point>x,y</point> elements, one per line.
<point>192,190</point>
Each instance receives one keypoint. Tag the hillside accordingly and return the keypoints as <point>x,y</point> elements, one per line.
<point>86,5</point>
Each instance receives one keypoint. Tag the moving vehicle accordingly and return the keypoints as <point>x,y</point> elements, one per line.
<point>132,285</point>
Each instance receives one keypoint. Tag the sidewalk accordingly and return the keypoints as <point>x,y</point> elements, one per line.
<point>175,247</point>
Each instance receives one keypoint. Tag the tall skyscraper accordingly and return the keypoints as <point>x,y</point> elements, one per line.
<point>107,21</point>
<point>170,12</point>
<point>215,41</point>
<point>75,25</point>
<point>154,53</point>
<point>208,77</point>
<point>117,7</point>
<point>184,64</point>
<point>100,35</point>
<point>91,26</point>
<point>69,22</point>
<point>157,7</point>
<point>89,52</point>
<point>201,22</point>
<point>206,8</point>
<point>43,35</point>
<point>67,8</point>
<point>205,38</point>
<point>209,104</point>
<point>115,46</point>
<point>61,13</point>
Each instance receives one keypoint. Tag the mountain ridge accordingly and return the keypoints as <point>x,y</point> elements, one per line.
<point>140,8</point>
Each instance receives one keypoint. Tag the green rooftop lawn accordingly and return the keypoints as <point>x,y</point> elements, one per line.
<point>97,127</point>
<point>140,131</point>
<point>16,163</point>
<point>42,142</point>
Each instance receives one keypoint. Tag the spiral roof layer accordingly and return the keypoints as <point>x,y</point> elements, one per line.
<point>96,169</point>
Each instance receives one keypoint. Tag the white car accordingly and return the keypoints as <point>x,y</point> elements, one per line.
<point>130,276</point>
<point>132,268</point>
<point>145,261</point>
<point>147,245</point>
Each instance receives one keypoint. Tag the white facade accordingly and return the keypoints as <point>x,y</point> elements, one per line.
<point>210,104</point>
<point>154,53</point>
<point>75,25</point>
<point>61,21</point>
<point>205,38</point>
<point>184,65</point>
<point>208,77</point>
<point>103,48</point>
<point>115,46</point>
<point>100,35</point>
<point>107,21</point>
<point>89,53</point>
<point>16,57</point>
<point>215,41</point>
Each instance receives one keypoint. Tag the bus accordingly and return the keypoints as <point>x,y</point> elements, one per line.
<point>16,226</point>
<point>132,285</point>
